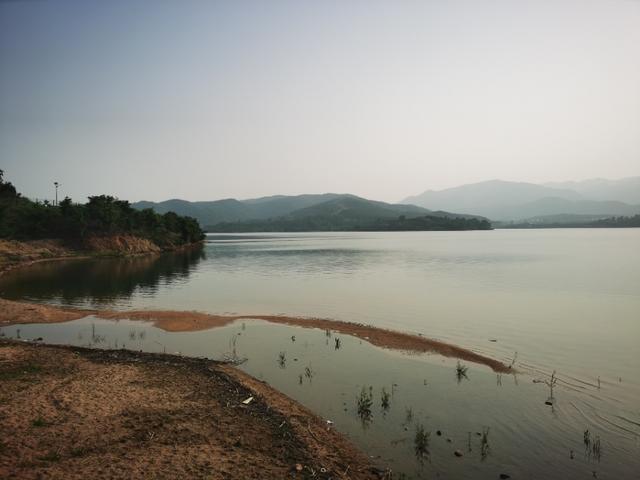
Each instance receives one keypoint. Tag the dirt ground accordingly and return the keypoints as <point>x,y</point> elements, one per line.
<point>74,413</point>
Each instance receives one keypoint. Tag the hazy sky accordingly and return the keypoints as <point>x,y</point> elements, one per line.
<point>204,100</point>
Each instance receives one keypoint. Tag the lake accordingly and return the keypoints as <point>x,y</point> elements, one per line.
<point>563,300</point>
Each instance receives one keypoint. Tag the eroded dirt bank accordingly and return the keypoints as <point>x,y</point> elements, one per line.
<point>15,254</point>
<point>80,413</point>
<point>19,312</point>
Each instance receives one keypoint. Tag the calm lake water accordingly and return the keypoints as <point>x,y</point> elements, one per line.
<point>564,300</point>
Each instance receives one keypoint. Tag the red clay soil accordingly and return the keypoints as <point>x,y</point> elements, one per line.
<point>74,413</point>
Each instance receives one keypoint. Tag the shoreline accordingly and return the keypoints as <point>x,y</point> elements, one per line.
<point>72,412</point>
<point>15,313</point>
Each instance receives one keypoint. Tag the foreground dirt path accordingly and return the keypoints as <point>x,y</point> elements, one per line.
<point>80,413</point>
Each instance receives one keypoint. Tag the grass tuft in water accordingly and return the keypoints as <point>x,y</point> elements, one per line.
<point>421,442</point>
<point>408,415</point>
<point>385,399</point>
<point>364,404</point>
<point>484,443</point>
<point>282,360</point>
<point>461,371</point>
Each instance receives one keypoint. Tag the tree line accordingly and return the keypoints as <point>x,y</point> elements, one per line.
<point>327,223</point>
<point>103,215</point>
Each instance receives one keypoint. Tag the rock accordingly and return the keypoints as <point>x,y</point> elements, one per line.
<point>449,440</point>
<point>458,453</point>
<point>298,467</point>
<point>438,432</point>
<point>504,476</point>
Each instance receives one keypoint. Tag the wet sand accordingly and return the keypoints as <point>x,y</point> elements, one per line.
<point>75,413</point>
<point>171,321</point>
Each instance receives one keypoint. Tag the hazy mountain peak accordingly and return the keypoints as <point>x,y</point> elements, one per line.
<point>506,200</point>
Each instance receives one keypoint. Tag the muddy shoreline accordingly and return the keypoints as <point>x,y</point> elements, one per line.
<point>70,412</point>
<point>13,313</point>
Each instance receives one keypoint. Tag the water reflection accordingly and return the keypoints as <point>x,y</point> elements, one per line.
<point>99,282</point>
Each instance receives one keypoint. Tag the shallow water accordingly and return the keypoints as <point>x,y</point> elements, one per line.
<point>562,299</point>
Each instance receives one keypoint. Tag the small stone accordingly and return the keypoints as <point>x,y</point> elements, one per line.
<point>439,433</point>
<point>504,476</point>
<point>448,440</point>
<point>458,453</point>
<point>298,467</point>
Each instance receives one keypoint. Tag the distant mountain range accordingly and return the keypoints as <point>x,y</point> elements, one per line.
<point>518,201</point>
<point>328,211</point>
<point>498,200</point>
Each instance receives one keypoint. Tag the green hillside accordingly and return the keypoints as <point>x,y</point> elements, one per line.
<point>351,213</point>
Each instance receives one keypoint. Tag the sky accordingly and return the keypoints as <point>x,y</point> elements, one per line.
<point>204,100</point>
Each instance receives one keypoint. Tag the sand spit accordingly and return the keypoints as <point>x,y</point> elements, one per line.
<point>176,321</point>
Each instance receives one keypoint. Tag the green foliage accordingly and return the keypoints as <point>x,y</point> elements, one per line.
<point>334,223</point>
<point>612,222</point>
<point>23,219</point>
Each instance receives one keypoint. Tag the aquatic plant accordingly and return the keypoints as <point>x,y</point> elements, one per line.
<point>337,346</point>
<point>308,372</point>
<point>484,443</point>
<point>513,360</point>
<point>164,347</point>
<point>596,448</point>
<point>408,415</point>
<point>385,399</point>
<point>364,404</point>
<point>461,371</point>
<point>586,438</point>
<point>233,357</point>
<point>282,359</point>
<point>421,442</point>
<point>551,383</point>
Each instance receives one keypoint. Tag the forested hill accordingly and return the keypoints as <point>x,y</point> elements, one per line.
<point>356,214</point>
<point>328,211</point>
<point>101,216</point>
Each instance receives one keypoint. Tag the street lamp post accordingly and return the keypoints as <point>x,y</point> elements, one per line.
<point>57,185</point>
